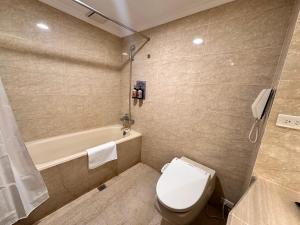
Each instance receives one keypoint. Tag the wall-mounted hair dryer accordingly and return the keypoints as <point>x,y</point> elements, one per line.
<point>259,108</point>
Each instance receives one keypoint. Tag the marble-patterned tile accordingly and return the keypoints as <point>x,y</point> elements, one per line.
<point>284,106</point>
<point>278,156</point>
<point>37,107</point>
<point>59,64</point>
<point>260,6</point>
<point>23,82</point>
<point>117,204</point>
<point>267,203</point>
<point>197,94</point>
<point>199,102</point>
<point>210,216</point>
<point>286,178</point>
<point>233,220</point>
<point>291,66</point>
<point>229,11</point>
<point>129,154</point>
<point>72,180</point>
<point>289,89</point>
<point>250,31</point>
<point>128,199</point>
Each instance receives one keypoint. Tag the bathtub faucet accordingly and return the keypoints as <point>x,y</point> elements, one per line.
<point>127,121</point>
<point>126,132</point>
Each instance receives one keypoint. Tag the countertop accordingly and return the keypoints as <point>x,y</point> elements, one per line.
<point>266,203</point>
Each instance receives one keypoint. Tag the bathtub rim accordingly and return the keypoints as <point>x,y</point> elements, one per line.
<point>42,166</point>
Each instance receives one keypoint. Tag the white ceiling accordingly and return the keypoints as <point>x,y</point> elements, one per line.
<point>138,14</point>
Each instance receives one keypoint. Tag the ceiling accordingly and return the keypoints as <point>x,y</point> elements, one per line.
<point>138,14</point>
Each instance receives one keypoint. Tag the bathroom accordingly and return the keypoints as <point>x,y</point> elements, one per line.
<point>149,112</point>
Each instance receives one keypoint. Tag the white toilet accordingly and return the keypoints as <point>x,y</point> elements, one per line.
<point>183,190</point>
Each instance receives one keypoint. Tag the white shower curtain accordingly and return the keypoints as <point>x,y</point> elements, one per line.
<point>22,188</point>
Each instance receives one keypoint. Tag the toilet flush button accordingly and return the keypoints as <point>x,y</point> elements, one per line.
<point>288,121</point>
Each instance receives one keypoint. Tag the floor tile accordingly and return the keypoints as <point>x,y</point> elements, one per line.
<point>127,200</point>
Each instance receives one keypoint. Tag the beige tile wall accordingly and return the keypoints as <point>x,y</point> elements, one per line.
<point>279,154</point>
<point>265,203</point>
<point>199,97</point>
<point>58,81</point>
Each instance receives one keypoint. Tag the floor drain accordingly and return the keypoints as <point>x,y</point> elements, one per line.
<point>101,187</point>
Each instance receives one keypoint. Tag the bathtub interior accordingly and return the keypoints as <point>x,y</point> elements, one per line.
<point>70,146</point>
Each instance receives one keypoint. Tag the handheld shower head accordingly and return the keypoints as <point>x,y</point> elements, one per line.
<point>132,48</point>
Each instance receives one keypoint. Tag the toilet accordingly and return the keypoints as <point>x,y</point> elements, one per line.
<point>183,190</point>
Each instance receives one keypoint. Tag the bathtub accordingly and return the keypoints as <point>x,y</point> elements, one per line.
<point>63,163</point>
<point>50,152</point>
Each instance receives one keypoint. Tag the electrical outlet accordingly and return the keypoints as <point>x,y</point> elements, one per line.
<point>288,121</point>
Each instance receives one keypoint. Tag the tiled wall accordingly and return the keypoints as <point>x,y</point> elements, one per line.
<point>199,97</point>
<point>62,80</point>
<point>279,154</point>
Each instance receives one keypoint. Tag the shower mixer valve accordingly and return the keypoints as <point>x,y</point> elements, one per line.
<point>127,121</point>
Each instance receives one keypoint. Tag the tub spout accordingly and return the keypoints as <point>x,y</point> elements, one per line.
<point>126,132</point>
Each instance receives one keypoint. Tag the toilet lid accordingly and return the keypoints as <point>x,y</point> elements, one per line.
<point>181,185</point>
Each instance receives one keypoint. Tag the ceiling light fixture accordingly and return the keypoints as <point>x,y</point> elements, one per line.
<point>42,26</point>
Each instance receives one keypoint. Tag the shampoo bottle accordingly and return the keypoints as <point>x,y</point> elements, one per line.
<point>134,92</point>
<point>140,94</point>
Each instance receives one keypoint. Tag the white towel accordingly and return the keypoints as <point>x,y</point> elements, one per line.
<point>102,154</point>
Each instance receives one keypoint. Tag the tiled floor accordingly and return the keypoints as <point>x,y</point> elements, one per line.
<point>127,200</point>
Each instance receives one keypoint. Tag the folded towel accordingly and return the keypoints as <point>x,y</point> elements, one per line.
<point>102,154</point>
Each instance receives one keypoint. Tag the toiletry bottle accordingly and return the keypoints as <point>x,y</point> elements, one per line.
<point>140,94</point>
<point>134,92</point>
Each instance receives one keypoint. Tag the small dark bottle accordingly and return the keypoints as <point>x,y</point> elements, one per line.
<point>134,92</point>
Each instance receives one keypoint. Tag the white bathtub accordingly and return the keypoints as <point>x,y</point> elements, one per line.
<point>63,163</point>
<point>52,151</point>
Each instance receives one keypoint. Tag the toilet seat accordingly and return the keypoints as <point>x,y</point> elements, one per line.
<point>181,185</point>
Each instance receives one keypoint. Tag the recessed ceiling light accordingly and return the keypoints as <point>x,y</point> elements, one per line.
<point>42,26</point>
<point>198,41</point>
<point>125,53</point>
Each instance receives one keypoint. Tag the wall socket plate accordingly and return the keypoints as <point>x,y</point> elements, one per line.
<point>288,121</point>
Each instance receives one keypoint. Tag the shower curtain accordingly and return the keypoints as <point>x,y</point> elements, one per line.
<point>22,188</point>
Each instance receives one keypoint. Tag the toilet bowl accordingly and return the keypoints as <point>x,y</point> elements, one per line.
<point>183,190</point>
